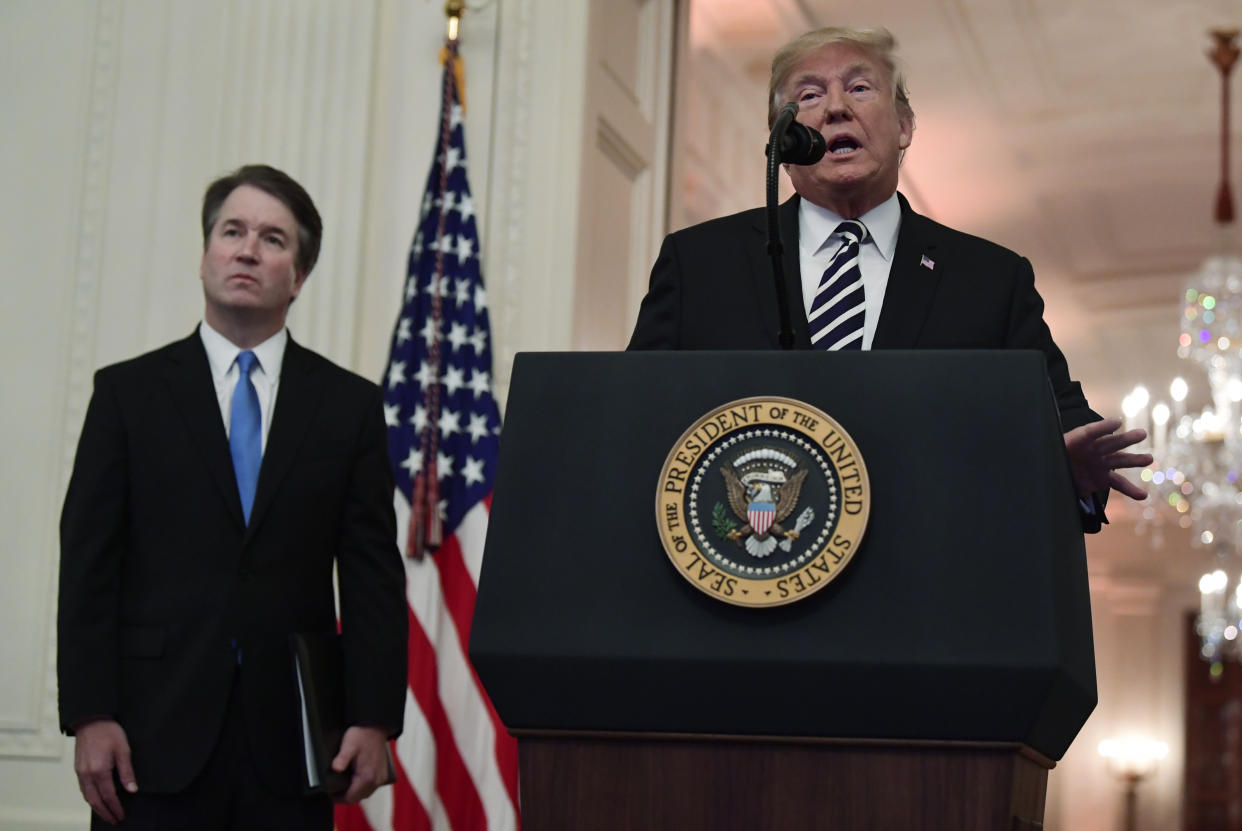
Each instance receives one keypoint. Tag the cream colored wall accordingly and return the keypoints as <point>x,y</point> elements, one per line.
<point>43,160</point>
<point>624,158</point>
<point>117,114</point>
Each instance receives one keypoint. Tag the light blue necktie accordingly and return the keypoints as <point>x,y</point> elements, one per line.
<point>245,438</point>
<point>836,315</point>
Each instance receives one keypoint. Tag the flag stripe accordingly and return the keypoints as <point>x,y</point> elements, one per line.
<point>460,593</point>
<point>457,589</point>
<point>405,810</point>
<point>471,535</point>
<point>432,617</point>
<point>464,704</point>
<point>417,764</point>
<point>453,784</point>
<point>352,818</point>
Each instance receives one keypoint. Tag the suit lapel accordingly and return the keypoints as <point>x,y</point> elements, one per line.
<point>193,392</point>
<point>296,400</point>
<point>761,270</point>
<point>913,279</point>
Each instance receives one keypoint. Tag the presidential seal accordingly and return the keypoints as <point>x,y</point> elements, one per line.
<point>763,501</point>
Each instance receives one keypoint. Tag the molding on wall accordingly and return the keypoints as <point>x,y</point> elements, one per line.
<point>658,45</point>
<point>508,178</point>
<point>42,739</point>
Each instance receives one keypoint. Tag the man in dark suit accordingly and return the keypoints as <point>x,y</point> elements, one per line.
<point>217,483</point>
<point>868,272</point>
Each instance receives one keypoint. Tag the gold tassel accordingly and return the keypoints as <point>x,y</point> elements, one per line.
<point>414,548</point>
<point>459,76</point>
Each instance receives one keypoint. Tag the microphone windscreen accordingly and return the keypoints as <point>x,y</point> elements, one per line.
<point>802,145</point>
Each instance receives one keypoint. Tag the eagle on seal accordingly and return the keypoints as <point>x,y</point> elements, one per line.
<point>743,496</point>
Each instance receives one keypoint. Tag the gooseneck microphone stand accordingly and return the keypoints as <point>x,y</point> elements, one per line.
<point>793,143</point>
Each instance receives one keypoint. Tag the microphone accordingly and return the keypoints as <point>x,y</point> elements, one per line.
<point>802,144</point>
<point>798,143</point>
<point>792,143</point>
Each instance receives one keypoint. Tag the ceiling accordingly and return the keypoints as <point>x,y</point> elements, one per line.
<point>1084,134</point>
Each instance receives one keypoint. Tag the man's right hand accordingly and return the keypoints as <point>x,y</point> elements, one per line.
<point>101,748</point>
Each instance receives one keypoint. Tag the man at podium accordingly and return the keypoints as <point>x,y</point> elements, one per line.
<point>869,272</point>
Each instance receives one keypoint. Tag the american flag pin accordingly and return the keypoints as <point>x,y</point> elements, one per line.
<point>927,262</point>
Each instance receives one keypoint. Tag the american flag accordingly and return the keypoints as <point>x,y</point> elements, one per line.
<point>456,764</point>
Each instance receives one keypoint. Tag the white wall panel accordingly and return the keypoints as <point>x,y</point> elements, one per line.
<point>53,180</point>
<point>622,197</point>
<point>53,174</point>
<point>535,174</point>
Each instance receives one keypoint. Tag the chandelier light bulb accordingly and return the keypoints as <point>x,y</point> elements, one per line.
<point>1134,757</point>
<point>1134,403</point>
<point>1178,389</point>
<point>1143,749</point>
<point>1213,582</point>
<point>1160,414</point>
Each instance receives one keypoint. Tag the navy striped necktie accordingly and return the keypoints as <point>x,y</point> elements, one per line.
<point>837,311</point>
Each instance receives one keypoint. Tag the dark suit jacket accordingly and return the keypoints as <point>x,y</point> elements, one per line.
<point>711,288</point>
<point>160,576</point>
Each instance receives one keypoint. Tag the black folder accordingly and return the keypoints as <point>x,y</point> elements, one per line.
<point>319,676</point>
<point>318,668</point>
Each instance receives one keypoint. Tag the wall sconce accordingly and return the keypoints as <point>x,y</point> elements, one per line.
<point>1132,760</point>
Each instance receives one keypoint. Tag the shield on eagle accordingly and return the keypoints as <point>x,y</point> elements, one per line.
<point>760,516</point>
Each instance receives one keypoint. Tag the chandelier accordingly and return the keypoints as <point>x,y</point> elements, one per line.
<point>1194,479</point>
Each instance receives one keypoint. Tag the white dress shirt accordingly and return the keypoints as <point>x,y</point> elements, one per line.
<point>222,357</point>
<point>817,247</point>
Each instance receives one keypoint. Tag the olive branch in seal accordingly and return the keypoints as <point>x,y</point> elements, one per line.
<point>722,523</point>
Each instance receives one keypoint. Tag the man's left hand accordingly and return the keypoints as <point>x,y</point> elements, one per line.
<point>365,749</point>
<point>1095,457</point>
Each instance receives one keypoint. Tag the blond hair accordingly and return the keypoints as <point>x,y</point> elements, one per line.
<point>876,40</point>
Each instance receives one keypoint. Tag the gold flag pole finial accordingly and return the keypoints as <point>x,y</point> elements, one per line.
<point>453,10</point>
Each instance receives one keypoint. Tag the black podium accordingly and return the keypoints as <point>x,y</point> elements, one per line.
<point>930,686</point>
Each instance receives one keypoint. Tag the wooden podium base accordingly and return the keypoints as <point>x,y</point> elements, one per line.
<point>622,782</point>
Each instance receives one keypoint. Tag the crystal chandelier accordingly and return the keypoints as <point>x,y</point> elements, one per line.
<point>1194,479</point>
